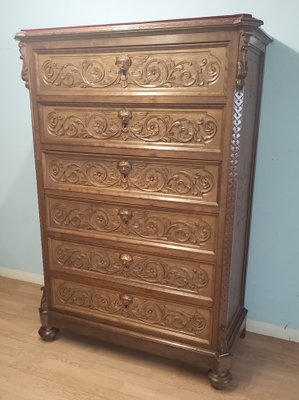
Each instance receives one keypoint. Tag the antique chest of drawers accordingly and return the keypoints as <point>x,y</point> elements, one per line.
<point>145,138</point>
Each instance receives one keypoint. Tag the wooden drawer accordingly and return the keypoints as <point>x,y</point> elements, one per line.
<point>120,127</point>
<point>128,310</point>
<point>193,71</point>
<point>133,224</point>
<point>132,177</point>
<point>180,277</point>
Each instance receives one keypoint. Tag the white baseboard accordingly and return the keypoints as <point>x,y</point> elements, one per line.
<point>262,328</point>
<point>277,331</point>
<point>22,275</point>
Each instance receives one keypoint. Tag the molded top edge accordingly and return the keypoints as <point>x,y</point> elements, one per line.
<point>225,21</point>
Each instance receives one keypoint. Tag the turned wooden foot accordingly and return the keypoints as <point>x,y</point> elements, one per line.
<point>48,334</point>
<point>220,375</point>
<point>219,380</point>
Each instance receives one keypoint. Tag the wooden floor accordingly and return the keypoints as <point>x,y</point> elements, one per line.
<point>75,368</point>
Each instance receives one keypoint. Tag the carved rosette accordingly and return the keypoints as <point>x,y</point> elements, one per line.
<point>140,176</point>
<point>25,71</point>
<point>141,268</point>
<point>150,312</point>
<point>136,223</point>
<point>161,70</point>
<point>242,67</point>
<point>199,128</point>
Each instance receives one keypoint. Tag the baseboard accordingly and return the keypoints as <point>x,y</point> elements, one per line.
<point>22,275</point>
<point>277,331</point>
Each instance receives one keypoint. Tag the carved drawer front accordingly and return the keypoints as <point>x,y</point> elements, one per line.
<point>194,71</point>
<point>141,313</point>
<point>133,224</point>
<point>128,266</point>
<point>127,176</point>
<point>120,127</point>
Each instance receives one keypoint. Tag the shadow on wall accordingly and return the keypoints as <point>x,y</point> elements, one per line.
<point>20,233</point>
<point>274,250</point>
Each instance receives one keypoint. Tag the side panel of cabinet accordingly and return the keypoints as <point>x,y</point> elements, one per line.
<point>246,115</point>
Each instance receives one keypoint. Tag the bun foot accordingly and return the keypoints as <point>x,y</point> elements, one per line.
<point>48,334</point>
<point>219,381</point>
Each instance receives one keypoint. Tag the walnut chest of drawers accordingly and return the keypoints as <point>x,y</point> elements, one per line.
<point>145,138</point>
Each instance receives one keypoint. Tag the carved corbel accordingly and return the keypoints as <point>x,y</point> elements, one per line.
<point>242,66</point>
<point>43,309</point>
<point>47,333</point>
<point>25,72</point>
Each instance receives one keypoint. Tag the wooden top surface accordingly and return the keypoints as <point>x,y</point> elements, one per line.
<point>190,24</point>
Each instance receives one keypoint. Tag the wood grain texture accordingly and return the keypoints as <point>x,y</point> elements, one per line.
<point>127,176</point>
<point>131,223</point>
<point>148,271</point>
<point>84,369</point>
<point>201,70</point>
<point>126,309</point>
<point>137,133</point>
<point>190,24</point>
<point>195,128</point>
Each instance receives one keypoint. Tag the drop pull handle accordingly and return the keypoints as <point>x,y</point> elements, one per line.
<point>125,215</point>
<point>123,62</point>
<point>126,260</point>
<point>126,300</point>
<point>125,116</point>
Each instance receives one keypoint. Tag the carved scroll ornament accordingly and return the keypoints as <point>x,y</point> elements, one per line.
<point>150,312</point>
<point>168,127</point>
<point>142,268</point>
<point>136,176</point>
<point>132,222</point>
<point>161,70</point>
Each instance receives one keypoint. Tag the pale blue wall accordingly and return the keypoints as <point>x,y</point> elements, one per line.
<point>273,276</point>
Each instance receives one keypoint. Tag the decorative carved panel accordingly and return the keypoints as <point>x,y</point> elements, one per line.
<point>131,222</point>
<point>192,277</point>
<point>198,70</point>
<point>147,126</point>
<point>188,320</point>
<point>132,175</point>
